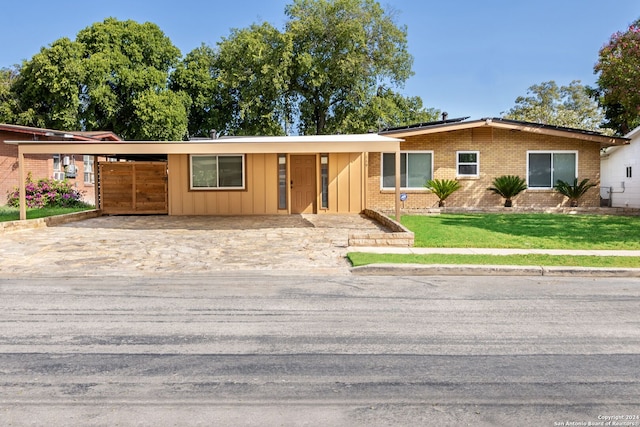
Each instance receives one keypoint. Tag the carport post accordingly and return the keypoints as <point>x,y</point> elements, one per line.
<point>398,186</point>
<point>21,186</point>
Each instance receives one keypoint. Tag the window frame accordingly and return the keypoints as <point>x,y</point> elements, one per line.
<point>218,187</point>
<point>476,164</point>
<point>550,152</point>
<point>408,153</point>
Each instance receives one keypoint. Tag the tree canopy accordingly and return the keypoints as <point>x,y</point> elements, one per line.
<point>336,66</point>
<point>618,70</point>
<point>568,106</point>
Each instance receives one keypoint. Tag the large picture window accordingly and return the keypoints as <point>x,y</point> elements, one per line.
<point>545,169</point>
<point>217,172</point>
<point>416,168</point>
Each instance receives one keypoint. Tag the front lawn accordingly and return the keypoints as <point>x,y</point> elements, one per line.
<point>526,231</point>
<point>519,231</point>
<point>13,214</point>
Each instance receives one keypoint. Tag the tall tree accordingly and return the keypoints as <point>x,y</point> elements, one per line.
<point>8,101</point>
<point>124,60</point>
<point>618,70</point>
<point>109,78</point>
<point>342,50</point>
<point>568,106</point>
<point>210,107</point>
<point>253,66</point>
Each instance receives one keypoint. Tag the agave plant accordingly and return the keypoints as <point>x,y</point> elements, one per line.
<point>574,192</point>
<point>442,188</point>
<point>508,186</point>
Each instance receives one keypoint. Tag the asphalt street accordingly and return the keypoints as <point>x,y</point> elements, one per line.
<point>255,348</point>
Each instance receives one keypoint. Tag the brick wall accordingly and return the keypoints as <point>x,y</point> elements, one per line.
<point>502,152</point>
<point>40,166</point>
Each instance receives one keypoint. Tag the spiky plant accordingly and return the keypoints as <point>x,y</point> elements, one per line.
<point>574,192</point>
<point>442,188</point>
<point>508,186</point>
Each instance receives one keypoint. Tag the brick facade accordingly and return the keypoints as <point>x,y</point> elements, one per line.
<point>501,152</point>
<point>40,166</point>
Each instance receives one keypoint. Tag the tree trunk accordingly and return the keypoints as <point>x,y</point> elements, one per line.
<point>508,203</point>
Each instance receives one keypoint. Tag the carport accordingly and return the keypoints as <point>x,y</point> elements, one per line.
<point>275,175</point>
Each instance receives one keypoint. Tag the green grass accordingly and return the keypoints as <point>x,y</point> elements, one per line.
<point>358,259</point>
<point>13,214</point>
<point>518,231</point>
<point>527,231</point>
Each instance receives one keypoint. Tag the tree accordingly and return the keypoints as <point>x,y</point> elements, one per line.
<point>574,191</point>
<point>442,188</point>
<point>253,66</point>
<point>342,51</point>
<point>107,79</point>
<point>618,70</point>
<point>210,107</point>
<point>124,60</point>
<point>8,101</point>
<point>567,106</point>
<point>47,88</point>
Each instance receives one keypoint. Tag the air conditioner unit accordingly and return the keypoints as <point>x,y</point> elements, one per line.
<point>58,176</point>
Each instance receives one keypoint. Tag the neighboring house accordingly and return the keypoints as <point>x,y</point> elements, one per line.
<point>77,168</point>
<point>341,173</point>
<point>477,151</point>
<point>620,185</point>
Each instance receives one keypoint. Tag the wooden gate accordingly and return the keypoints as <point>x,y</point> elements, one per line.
<point>133,187</point>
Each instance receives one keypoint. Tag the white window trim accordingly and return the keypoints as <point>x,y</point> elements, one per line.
<point>382,187</point>
<point>476,163</point>
<point>549,152</point>
<point>244,180</point>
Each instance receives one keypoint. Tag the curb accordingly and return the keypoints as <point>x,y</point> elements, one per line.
<point>489,270</point>
<point>50,221</point>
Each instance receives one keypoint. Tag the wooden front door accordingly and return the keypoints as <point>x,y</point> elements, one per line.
<point>303,184</point>
<point>133,187</point>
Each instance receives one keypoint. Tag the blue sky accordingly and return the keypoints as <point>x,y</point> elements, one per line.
<point>471,58</point>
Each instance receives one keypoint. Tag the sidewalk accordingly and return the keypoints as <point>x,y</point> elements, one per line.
<point>490,270</point>
<point>489,251</point>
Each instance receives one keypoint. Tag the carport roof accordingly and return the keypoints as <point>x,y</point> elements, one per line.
<point>357,143</point>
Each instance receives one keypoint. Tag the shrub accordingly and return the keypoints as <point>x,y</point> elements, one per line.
<point>442,188</point>
<point>47,193</point>
<point>574,192</point>
<point>508,186</point>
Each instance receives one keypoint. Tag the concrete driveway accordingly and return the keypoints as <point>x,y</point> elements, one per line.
<point>169,245</point>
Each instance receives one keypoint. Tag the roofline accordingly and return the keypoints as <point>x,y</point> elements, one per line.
<point>514,125</point>
<point>72,135</point>
<point>242,145</point>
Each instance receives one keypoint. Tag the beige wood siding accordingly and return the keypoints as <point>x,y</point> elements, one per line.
<point>260,197</point>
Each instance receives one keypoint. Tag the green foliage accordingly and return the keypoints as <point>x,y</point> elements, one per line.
<point>618,70</point>
<point>529,231</point>
<point>342,51</point>
<point>574,191</point>
<point>8,101</point>
<point>568,106</point>
<point>442,188</point>
<point>508,186</point>
<point>47,193</point>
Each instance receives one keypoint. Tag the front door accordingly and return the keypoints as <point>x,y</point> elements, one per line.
<point>303,184</point>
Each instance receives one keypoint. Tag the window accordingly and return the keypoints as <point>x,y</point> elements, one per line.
<point>324,180</point>
<point>89,177</point>
<point>58,172</point>
<point>468,163</point>
<point>629,174</point>
<point>282,181</point>
<point>213,172</point>
<point>545,169</point>
<point>416,168</point>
